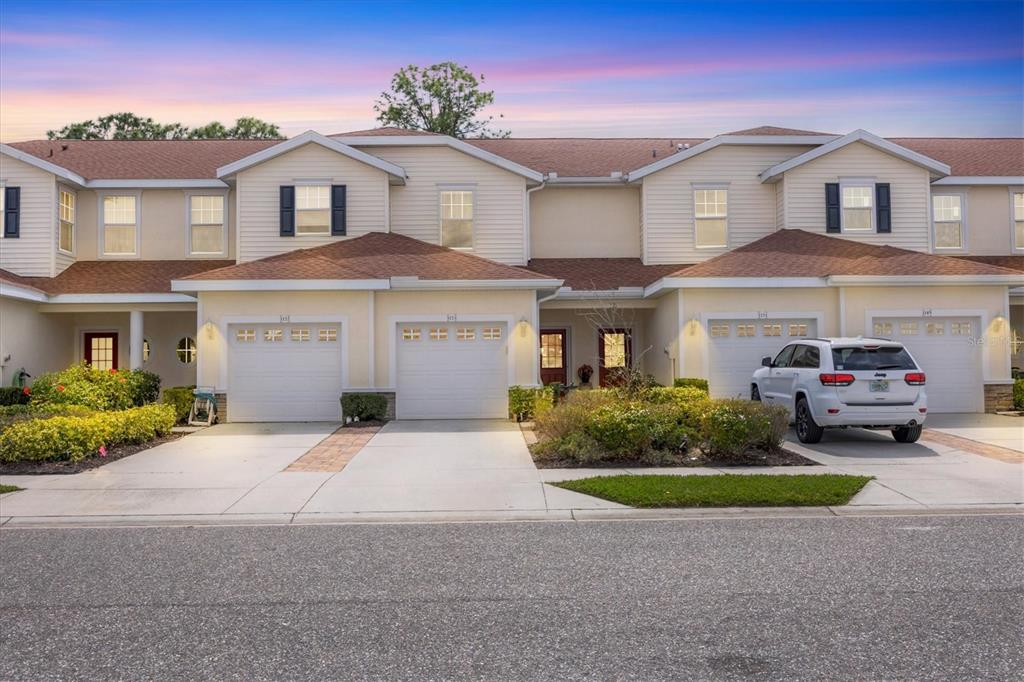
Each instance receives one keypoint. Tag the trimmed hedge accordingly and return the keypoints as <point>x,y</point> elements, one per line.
<point>14,395</point>
<point>181,399</point>
<point>524,403</point>
<point>689,382</point>
<point>364,406</point>
<point>72,438</point>
<point>101,390</point>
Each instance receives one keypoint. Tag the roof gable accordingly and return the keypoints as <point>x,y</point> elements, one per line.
<point>937,168</point>
<point>397,173</point>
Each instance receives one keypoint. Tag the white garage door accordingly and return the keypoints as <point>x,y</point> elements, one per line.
<point>735,349</point>
<point>947,350</point>
<point>284,372</point>
<point>452,371</point>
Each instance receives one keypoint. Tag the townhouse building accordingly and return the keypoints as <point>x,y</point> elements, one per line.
<point>283,274</point>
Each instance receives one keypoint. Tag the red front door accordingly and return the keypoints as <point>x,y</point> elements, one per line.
<point>615,351</point>
<point>553,357</point>
<point>101,350</point>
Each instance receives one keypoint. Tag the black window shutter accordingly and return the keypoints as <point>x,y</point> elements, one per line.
<point>12,212</point>
<point>832,207</point>
<point>287,211</point>
<point>883,207</point>
<point>338,210</point>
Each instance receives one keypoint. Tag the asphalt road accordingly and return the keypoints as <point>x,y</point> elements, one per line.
<point>828,598</point>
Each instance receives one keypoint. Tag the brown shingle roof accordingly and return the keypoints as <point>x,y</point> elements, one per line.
<point>796,253</point>
<point>8,277</point>
<point>386,131</point>
<point>569,157</point>
<point>375,255</point>
<point>775,130</point>
<point>1009,262</point>
<point>601,274</point>
<point>123,276</point>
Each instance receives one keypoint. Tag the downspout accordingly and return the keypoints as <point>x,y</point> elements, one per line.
<point>526,221</point>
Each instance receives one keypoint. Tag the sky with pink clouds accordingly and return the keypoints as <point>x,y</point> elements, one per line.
<point>558,68</point>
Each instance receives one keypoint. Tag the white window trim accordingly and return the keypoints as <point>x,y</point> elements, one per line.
<point>74,222</point>
<point>1013,227</point>
<point>199,255</point>
<point>963,221</point>
<point>313,182</point>
<point>101,227</point>
<point>858,182</point>
<point>441,188</point>
<point>693,202</point>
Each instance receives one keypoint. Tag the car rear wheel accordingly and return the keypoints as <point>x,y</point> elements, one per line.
<point>907,434</point>
<point>755,394</point>
<point>806,428</point>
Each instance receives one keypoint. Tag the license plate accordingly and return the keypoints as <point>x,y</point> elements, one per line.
<point>879,387</point>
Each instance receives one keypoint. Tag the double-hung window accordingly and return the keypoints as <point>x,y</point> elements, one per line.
<point>711,217</point>
<point>120,225</point>
<point>66,220</point>
<point>312,209</point>
<point>858,206</point>
<point>1018,220</point>
<point>457,218</point>
<point>206,225</point>
<point>947,220</point>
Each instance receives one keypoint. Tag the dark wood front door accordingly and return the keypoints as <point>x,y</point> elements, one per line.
<point>553,357</point>
<point>101,350</point>
<point>615,351</point>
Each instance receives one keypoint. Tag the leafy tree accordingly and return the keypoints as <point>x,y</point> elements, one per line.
<point>128,126</point>
<point>444,98</point>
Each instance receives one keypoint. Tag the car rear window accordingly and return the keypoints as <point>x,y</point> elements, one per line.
<point>886,357</point>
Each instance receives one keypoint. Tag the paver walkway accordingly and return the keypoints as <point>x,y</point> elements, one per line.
<point>334,452</point>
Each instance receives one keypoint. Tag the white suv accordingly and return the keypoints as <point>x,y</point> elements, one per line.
<point>829,383</point>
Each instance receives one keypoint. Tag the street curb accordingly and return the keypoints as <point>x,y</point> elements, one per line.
<point>560,516</point>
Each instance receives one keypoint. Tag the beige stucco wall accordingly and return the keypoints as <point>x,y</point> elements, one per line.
<point>592,222</point>
<point>499,199</point>
<point>32,254</point>
<point>39,343</point>
<point>668,221</point>
<point>163,219</point>
<point>663,336</point>
<point>223,308</point>
<point>989,302</point>
<point>259,198</point>
<point>909,186</point>
<point>988,221</point>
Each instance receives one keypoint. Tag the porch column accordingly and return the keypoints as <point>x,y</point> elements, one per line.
<point>135,339</point>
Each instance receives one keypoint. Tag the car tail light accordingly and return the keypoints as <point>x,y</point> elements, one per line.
<point>836,379</point>
<point>914,378</point>
<point>833,410</point>
<point>922,410</point>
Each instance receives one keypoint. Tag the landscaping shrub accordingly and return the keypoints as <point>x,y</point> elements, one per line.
<point>691,382</point>
<point>1018,394</point>
<point>524,403</point>
<point>10,414</point>
<point>74,437</point>
<point>13,395</point>
<point>364,406</point>
<point>101,390</point>
<point>181,399</point>
<point>731,428</point>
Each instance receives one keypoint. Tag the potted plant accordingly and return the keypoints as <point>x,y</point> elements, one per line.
<point>584,372</point>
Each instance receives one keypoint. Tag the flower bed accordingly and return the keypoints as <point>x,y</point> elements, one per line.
<point>659,427</point>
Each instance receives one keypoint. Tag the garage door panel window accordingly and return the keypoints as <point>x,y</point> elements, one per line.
<point>798,329</point>
<point>746,330</point>
<point>908,327</point>
<point>935,328</point>
<point>711,218</point>
<point>719,330</point>
<point>300,334</point>
<point>273,335</point>
<point>947,218</point>
<point>327,335</point>
<point>960,328</point>
<point>491,334</point>
<point>883,329</point>
<point>245,335</point>
<point>772,329</point>
<point>439,334</point>
<point>411,334</point>
<point>465,334</point>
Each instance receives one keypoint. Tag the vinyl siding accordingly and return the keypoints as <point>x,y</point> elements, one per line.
<point>259,217</point>
<point>499,198</point>
<point>32,253</point>
<point>909,184</point>
<point>668,200</point>
<point>780,204</point>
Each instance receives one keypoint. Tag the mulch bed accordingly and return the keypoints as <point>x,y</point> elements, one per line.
<point>113,454</point>
<point>779,458</point>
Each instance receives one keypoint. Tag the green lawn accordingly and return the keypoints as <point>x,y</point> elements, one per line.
<point>724,490</point>
<point>8,489</point>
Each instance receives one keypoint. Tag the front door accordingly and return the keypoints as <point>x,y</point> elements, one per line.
<point>553,357</point>
<point>101,350</point>
<point>615,351</point>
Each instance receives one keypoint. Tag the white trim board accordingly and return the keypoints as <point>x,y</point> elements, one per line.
<point>981,180</point>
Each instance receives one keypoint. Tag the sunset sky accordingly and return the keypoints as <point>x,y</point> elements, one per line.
<point>557,68</point>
